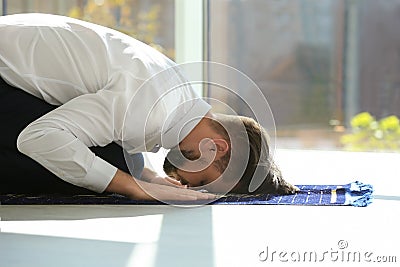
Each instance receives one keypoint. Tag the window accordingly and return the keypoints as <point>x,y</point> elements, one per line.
<point>319,64</point>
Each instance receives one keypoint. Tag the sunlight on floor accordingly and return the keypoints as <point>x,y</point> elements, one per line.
<point>110,229</point>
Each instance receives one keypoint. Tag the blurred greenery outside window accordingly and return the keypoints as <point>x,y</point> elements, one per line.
<point>329,68</point>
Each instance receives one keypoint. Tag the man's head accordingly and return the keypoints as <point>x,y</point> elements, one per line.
<point>226,153</point>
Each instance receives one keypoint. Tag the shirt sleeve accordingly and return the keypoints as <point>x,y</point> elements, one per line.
<point>59,140</point>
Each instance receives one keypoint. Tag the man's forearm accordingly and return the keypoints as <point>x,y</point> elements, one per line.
<point>124,184</point>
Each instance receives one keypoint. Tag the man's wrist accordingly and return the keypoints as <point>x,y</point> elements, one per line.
<point>124,184</point>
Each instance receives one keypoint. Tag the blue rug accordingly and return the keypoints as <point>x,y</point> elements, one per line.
<point>353,194</point>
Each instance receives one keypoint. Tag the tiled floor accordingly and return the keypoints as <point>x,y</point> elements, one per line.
<point>220,235</point>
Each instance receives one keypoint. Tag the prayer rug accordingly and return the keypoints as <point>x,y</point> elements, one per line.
<point>353,194</point>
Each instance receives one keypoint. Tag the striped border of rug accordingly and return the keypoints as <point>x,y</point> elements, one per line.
<point>353,194</point>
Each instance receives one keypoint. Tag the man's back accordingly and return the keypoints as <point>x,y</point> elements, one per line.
<point>57,58</point>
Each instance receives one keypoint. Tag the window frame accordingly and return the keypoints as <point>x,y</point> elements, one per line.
<point>190,35</point>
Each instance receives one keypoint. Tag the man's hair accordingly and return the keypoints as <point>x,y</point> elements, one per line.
<point>260,164</point>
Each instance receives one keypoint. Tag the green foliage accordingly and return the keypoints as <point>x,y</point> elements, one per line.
<point>124,16</point>
<point>368,134</point>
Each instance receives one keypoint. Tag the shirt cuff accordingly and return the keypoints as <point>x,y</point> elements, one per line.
<point>100,175</point>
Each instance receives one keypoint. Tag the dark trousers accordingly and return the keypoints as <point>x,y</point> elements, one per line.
<point>21,174</point>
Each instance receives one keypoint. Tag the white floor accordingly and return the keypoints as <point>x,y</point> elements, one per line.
<point>220,235</point>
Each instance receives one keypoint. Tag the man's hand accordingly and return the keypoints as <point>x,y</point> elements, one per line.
<point>167,181</point>
<point>126,185</point>
<point>152,177</point>
<point>169,193</point>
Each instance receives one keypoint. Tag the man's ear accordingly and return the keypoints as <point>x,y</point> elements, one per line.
<point>221,145</point>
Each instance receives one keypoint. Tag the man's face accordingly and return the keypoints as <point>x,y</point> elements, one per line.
<point>197,179</point>
<point>195,168</point>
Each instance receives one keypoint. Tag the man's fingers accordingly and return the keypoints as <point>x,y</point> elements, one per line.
<point>168,181</point>
<point>174,182</point>
<point>197,195</point>
<point>164,192</point>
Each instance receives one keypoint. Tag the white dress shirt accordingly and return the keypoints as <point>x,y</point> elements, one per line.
<point>110,88</point>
